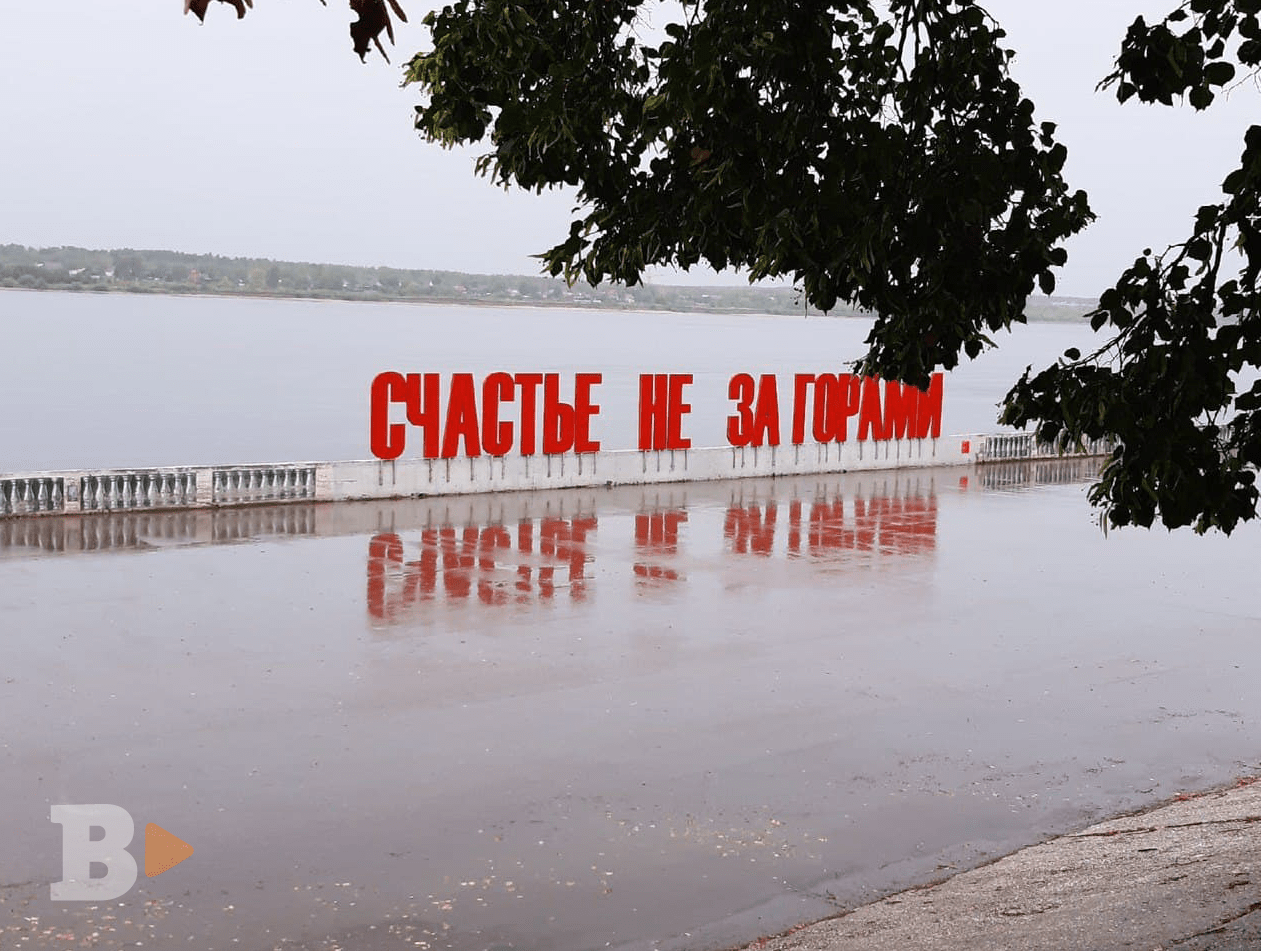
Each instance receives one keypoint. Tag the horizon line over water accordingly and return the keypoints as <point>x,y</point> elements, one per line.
<point>365,283</point>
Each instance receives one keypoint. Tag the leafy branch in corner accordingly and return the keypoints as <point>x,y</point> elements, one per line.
<point>1185,335</point>
<point>372,19</point>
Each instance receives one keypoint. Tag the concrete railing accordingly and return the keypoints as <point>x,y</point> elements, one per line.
<point>195,487</point>
<point>1001,447</point>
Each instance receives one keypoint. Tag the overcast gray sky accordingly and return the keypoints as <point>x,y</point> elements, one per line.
<point>128,125</point>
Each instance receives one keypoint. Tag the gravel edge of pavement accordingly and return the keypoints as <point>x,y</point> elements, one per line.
<point>1178,874</point>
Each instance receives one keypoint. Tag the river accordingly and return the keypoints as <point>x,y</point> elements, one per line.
<point>652,719</point>
<point>103,380</point>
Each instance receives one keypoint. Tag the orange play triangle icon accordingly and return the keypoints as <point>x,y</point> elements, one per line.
<point>162,851</point>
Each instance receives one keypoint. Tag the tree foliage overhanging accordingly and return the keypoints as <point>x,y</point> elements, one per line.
<point>881,159</point>
<point>1182,329</point>
<point>880,154</point>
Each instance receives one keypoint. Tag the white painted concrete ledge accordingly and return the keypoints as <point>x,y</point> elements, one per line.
<point>99,490</point>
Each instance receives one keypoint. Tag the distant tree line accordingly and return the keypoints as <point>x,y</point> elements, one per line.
<point>177,272</point>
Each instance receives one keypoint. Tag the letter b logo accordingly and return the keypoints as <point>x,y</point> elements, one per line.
<point>80,851</point>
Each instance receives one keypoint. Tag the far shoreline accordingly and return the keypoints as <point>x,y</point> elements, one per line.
<point>593,305</point>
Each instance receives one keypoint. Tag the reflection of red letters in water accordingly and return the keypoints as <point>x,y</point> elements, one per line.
<point>454,562</point>
<point>794,527</point>
<point>383,551</point>
<point>657,535</point>
<point>749,530</point>
<point>566,541</point>
<point>528,562</point>
<point>887,525</point>
<point>825,526</point>
<point>911,526</point>
<point>494,538</point>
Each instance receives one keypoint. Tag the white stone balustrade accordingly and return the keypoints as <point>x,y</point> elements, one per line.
<point>1004,446</point>
<point>245,484</point>
<point>194,487</point>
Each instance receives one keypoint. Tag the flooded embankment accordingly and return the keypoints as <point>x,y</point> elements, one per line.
<point>667,718</point>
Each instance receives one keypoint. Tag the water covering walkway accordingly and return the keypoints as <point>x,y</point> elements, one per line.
<point>669,717</point>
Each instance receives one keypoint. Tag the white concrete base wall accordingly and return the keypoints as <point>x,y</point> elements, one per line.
<point>412,477</point>
<point>52,493</point>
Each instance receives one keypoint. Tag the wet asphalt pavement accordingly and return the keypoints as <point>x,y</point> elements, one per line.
<point>673,718</point>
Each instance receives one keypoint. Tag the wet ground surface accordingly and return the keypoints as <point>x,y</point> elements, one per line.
<point>670,718</point>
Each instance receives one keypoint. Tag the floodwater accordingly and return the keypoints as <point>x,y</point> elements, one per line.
<point>670,718</point>
<point>126,380</point>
